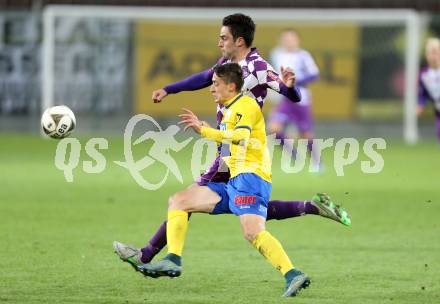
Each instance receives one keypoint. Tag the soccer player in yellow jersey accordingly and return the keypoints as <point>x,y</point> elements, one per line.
<point>248,190</point>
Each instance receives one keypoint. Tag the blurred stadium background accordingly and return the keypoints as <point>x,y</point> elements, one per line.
<point>106,68</point>
<point>55,237</point>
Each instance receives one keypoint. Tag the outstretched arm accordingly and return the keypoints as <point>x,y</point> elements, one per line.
<point>238,136</point>
<point>284,85</point>
<point>287,87</point>
<point>194,82</point>
<point>292,93</point>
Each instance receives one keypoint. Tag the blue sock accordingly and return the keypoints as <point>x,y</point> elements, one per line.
<point>174,258</point>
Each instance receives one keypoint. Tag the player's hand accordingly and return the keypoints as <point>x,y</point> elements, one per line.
<point>158,95</point>
<point>191,121</point>
<point>288,77</point>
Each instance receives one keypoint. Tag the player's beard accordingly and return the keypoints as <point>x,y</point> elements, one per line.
<point>229,55</point>
<point>226,55</point>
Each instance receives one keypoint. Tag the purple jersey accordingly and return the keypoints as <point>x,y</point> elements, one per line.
<point>258,76</point>
<point>429,87</point>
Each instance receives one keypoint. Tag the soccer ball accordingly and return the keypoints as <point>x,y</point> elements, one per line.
<point>58,122</point>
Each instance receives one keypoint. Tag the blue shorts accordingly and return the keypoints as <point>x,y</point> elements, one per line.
<point>246,193</point>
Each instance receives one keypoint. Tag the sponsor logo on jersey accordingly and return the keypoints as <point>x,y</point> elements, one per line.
<point>273,76</point>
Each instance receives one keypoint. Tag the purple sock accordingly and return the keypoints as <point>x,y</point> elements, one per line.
<point>280,210</point>
<point>282,137</point>
<point>155,245</point>
<point>313,152</point>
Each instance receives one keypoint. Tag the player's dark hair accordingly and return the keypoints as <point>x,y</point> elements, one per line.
<point>240,26</point>
<point>230,73</point>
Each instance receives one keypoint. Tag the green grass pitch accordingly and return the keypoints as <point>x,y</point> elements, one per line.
<point>56,237</point>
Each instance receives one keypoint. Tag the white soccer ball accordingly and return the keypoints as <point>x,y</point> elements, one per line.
<point>58,122</point>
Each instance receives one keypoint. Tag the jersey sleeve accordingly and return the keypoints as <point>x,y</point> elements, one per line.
<point>246,115</point>
<point>311,71</point>
<point>236,137</point>
<point>310,64</point>
<point>194,82</point>
<point>267,76</point>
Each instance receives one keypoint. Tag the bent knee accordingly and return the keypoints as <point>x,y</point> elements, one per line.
<point>178,201</point>
<point>306,135</point>
<point>250,235</point>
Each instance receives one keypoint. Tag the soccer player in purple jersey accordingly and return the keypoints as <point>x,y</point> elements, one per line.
<point>429,80</point>
<point>286,113</point>
<point>236,37</point>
